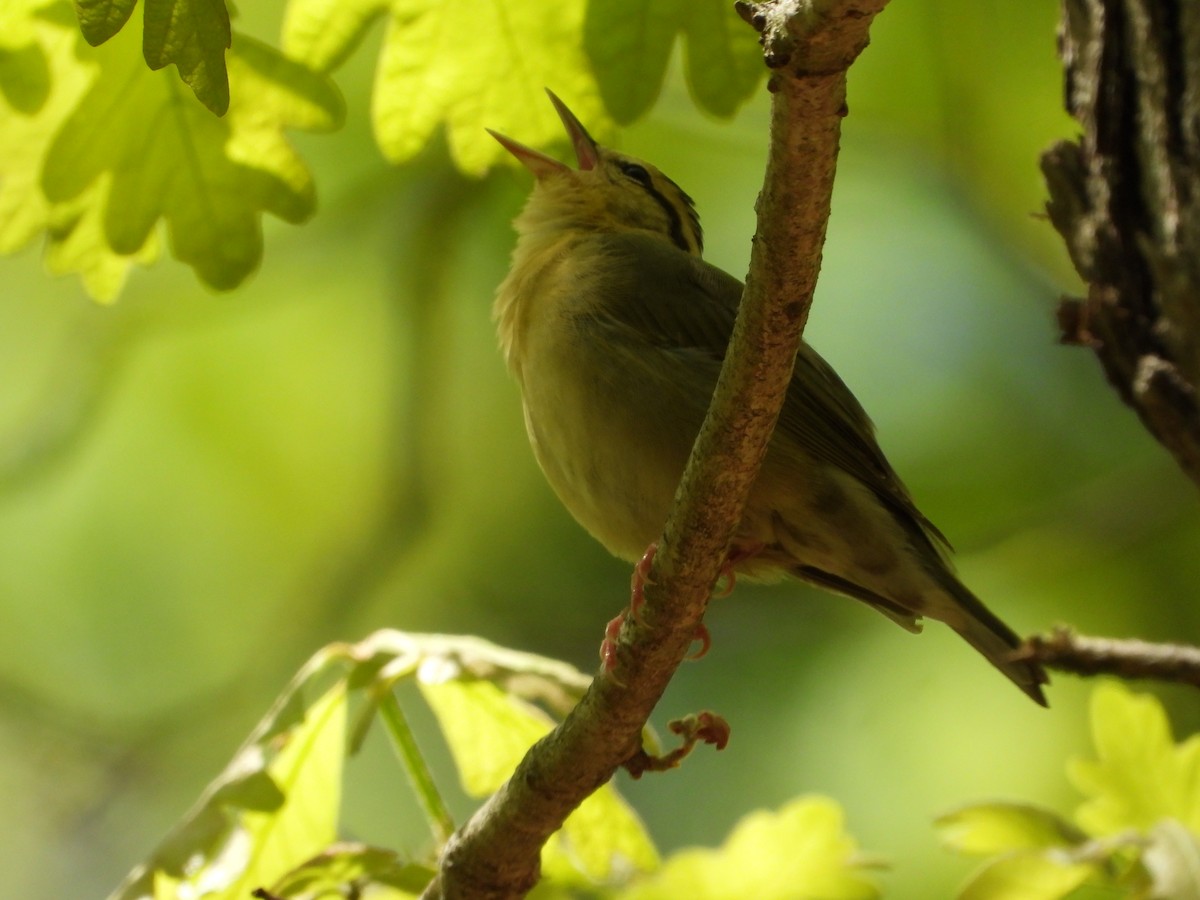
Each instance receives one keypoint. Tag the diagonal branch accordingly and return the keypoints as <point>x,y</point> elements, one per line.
<point>809,44</point>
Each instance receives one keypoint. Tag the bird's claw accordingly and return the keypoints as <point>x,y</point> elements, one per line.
<point>638,581</point>
<point>637,599</point>
<point>608,646</point>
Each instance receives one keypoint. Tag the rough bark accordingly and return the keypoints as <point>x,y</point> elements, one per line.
<point>1126,199</point>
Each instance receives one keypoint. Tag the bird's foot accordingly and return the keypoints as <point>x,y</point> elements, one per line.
<point>608,646</point>
<point>638,581</point>
<point>727,580</point>
<point>637,599</point>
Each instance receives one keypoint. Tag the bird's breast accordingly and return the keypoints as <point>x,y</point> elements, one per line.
<point>610,444</point>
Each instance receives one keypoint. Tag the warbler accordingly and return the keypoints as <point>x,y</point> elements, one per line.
<point>615,328</point>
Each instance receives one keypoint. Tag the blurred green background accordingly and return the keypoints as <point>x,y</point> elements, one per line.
<point>197,491</point>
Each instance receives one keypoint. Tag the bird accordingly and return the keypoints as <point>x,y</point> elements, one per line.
<point>615,328</point>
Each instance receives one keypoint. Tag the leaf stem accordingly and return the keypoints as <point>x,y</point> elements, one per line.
<point>440,821</point>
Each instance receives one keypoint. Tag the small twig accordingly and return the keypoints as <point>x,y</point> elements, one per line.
<point>1079,654</point>
<point>703,727</point>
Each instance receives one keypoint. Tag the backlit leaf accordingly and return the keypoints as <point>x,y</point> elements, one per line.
<point>488,732</point>
<point>989,828</point>
<point>433,72</point>
<point>629,45</point>
<point>193,34</point>
<point>275,806</point>
<point>800,851</point>
<point>723,59</point>
<point>1140,775</point>
<point>1026,876</point>
<point>167,158</point>
<point>101,19</point>
<point>74,228</point>
<point>308,771</point>
<point>334,870</point>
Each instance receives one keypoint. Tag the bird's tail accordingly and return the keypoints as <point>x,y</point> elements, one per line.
<point>984,631</point>
<point>962,611</point>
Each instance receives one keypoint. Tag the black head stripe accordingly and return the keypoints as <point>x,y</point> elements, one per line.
<point>676,228</point>
<point>641,175</point>
<point>697,231</point>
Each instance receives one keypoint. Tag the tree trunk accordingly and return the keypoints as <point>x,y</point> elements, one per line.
<point>1126,199</point>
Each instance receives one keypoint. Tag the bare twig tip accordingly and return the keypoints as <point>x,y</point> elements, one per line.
<point>1067,651</point>
<point>703,727</point>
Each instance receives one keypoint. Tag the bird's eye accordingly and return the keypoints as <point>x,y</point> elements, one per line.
<point>636,172</point>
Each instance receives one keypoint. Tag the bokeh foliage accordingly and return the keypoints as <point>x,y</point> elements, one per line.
<point>106,143</point>
<point>196,491</point>
<point>270,819</point>
<point>1137,833</point>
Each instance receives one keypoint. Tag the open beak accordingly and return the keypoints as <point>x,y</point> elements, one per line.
<point>586,150</point>
<point>541,165</point>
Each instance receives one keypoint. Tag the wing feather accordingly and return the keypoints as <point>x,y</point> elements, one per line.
<point>678,303</point>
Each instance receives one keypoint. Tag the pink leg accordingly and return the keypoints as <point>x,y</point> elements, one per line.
<point>705,640</point>
<point>637,599</point>
<point>638,581</point>
<point>608,646</point>
<point>737,555</point>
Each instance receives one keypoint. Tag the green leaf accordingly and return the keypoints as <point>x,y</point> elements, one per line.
<point>308,771</point>
<point>74,229</point>
<point>270,817</point>
<point>1140,776</point>
<point>76,243</point>
<point>274,806</point>
<point>24,77</point>
<point>988,828</point>
<point>166,157</point>
<point>434,72</point>
<point>276,798</point>
<point>101,19</point>
<point>629,46</point>
<point>358,866</point>
<point>1027,876</point>
<point>23,210</point>
<point>193,34</point>
<point>489,732</point>
<point>800,851</point>
<point>386,655</point>
<point>723,60</point>
<point>323,33</point>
